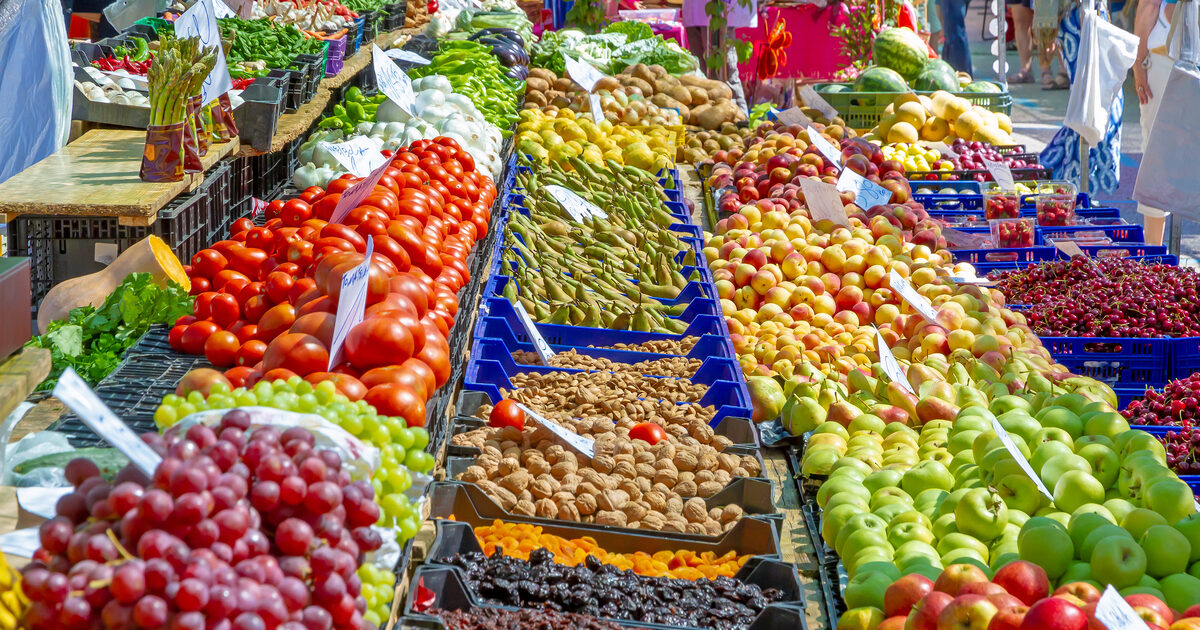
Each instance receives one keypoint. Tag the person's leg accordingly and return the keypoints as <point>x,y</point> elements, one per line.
<point>1022,22</point>
<point>954,24</point>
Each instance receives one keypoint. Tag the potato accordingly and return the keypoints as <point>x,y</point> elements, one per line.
<point>608,83</point>
<point>700,82</point>
<point>722,93</point>
<point>713,116</point>
<point>564,84</point>
<point>659,71</point>
<point>535,99</point>
<point>536,84</point>
<point>543,73</point>
<point>699,95</point>
<point>642,71</point>
<point>680,94</point>
<point>645,87</point>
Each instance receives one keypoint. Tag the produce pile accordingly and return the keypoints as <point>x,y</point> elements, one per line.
<point>940,117</point>
<point>257,46</point>
<point>554,135</point>
<point>613,50</point>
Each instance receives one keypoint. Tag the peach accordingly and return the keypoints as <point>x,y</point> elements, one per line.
<point>743,274</point>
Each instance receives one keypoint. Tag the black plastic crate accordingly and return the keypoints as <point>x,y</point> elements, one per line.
<point>292,81</point>
<point>257,117</point>
<point>396,13</point>
<point>314,71</point>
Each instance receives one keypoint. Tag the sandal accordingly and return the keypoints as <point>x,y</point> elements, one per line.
<point>1025,76</point>
<point>1047,80</point>
<point>1062,82</point>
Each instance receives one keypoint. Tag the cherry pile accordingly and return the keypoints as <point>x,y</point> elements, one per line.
<point>972,154</point>
<point>1177,404</point>
<point>237,530</point>
<point>1181,450</point>
<point>1111,297</point>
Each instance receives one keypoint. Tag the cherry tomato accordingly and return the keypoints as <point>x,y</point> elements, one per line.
<point>648,432</point>
<point>506,413</point>
<point>221,348</point>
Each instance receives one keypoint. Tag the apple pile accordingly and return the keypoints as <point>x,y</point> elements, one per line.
<point>972,154</point>
<point>1177,404</point>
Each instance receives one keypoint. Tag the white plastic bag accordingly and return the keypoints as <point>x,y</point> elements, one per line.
<point>35,111</point>
<point>1106,53</point>
<point>1164,178</point>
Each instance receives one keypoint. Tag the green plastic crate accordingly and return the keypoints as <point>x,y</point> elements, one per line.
<point>862,110</point>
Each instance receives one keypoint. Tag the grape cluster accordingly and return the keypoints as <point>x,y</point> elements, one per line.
<point>1177,404</point>
<point>236,530</point>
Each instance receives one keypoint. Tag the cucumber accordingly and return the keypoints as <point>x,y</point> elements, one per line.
<point>109,460</point>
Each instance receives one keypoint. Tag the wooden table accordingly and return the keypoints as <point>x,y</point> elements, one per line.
<point>19,374</point>
<point>97,175</point>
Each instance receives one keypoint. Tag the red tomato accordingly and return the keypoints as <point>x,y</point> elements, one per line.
<point>340,184</point>
<point>201,306</point>
<point>378,341</point>
<point>250,352</point>
<point>392,302</point>
<point>324,207</point>
<point>400,374</point>
<point>278,285</point>
<point>185,320</point>
<point>248,261</point>
<point>344,232</point>
<point>347,385</point>
<point>207,262</point>
<point>300,353</point>
<point>301,253</point>
<point>278,374</point>
<point>274,209</point>
<point>506,413</point>
<point>295,211</point>
<point>193,339</point>
<point>249,291</point>
<point>407,285</point>
<point>387,247</point>
<point>221,348</point>
<point>175,337</point>
<point>394,399</point>
<point>321,304</point>
<point>437,357</point>
<point>275,321</point>
<point>648,432</point>
<point>289,268</point>
<point>300,287</point>
<point>200,285</point>
<point>260,238</point>
<point>241,225</point>
<point>318,324</point>
<point>238,376</point>
<point>230,281</point>
<point>225,309</point>
<point>247,333</point>
<point>370,226</point>
<point>256,307</point>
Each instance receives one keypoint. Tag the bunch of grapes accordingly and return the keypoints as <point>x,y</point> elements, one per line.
<point>402,447</point>
<point>236,530</point>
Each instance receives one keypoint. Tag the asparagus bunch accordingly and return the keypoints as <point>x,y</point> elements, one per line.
<point>177,73</point>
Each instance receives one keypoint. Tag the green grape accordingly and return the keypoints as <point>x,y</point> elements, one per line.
<point>399,480</point>
<point>302,388</point>
<point>377,484</point>
<point>219,401</point>
<point>171,400</point>
<point>351,424</point>
<point>307,402</point>
<point>184,409</point>
<point>195,397</point>
<point>264,397</point>
<point>245,399</point>
<point>396,427</point>
<point>165,416</point>
<point>409,527</point>
<point>406,439</point>
<point>370,424</point>
<point>286,400</point>
<point>379,436</point>
<point>420,437</point>
<point>293,382</point>
<point>262,386</point>
<point>218,388</point>
<point>419,461</point>
<point>394,504</point>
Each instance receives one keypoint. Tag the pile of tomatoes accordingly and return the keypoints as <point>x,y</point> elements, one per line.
<point>267,297</point>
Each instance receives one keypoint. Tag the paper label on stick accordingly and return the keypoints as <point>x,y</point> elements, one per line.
<point>891,367</point>
<point>578,207</point>
<point>1115,613</point>
<point>358,155</point>
<point>919,303</point>
<point>75,393</point>
<point>867,194</point>
<point>1001,173</point>
<point>583,445</point>
<point>400,54</point>
<point>1006,440</point>
<point>352,304</point>
<point>200,22</point>
<point>391,80</point>
<point>356,193</point>
<point>793,116</point>
<point>582,72</point>
<point>539,343</point>
<point>823,201</point>
<point>1070,248</point>
<point>596,108</point>
<point>817,102</point>
<point>222,10</point>
<point>826,148</point>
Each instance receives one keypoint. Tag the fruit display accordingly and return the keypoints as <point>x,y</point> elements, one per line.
<point>555,136</point>
<point>704,144</point>
<point>1175,404</point>
<point>1181,447</point>
<point>621,105</point>
<point>1056,204</point>
<point>504,619</point>
<point>1011,232</point>
<point>940,117</point>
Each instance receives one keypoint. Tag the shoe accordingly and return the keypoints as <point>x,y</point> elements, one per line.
<point>1047,81</point>
<point>1061,82</point>
<point>1025,76</point>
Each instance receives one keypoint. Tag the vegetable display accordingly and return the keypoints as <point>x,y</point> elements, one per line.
<point>557,134</point>
<point>473,70</point>
<point>176,75</point>
<point>258,45</point>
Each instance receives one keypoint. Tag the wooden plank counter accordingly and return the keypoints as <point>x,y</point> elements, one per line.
<point>97,175</point>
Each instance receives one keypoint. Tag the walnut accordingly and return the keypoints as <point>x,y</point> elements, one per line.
<point>708,461</point>
<point>751,465</point>
<point>645,470</point>
<point>686,476</point>
<point>674,525</point>
<point>572,479</point>
<point>561,469</point>
<point>702,432</point>
<point>731,513</point>
<point>611,517</point>
<point>624,458</point>
<point>686,488</point>
<point>586,503</point>
<point>488,486</point>
<point>714,513</point>
<point>591,476</point>
<point>740,472</point>
<point>516,481</point>
<point>696,528</point>
<point>508,465</point>
<point>666,477</point>
<point>661,488</point>
<point>554,453</point>
<point>473,474</point>
<point>546,508</point>
<point>568,512</point>
<point>506,499</point>
<point>512,451</point>
<point>709,488</point>
<point>603,463</point>
<point>685,460</point>
<point>676,430</point>
<point>624,447</point>
<point>525,494</point>
<point>489,463</point>
<point>625,469</point>
<point>511,434</point>
<point>674,505</point>
<point>634,524</point>
<point>524,508</point>
<point>720,442</point>
<point>656,500</point>
<point>664,450</point>
<point>714,527</point>
<point>602,425</point>
<point>612,499</point>
<point>634,511</point>
<point>643,484</point>
<point>491,450</point>
<point>541,489</point>
<point>653,520</point>
<point>645,457</point>
<point>723,477</point>
<point>537,466</point>
<point>704,475</point>
<point>588,487</point>
<point>727,462</point>
<point>695,511</point>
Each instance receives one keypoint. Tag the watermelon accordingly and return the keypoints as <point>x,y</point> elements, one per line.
<point>937,75</point>
<point>833,88</point>
<point>879,79</point>
<point>901,50</point>
<point>982,87</point>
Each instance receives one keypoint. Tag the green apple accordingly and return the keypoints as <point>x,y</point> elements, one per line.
<point>887,568</point>
<point>1141,441</point>
<point>1172,498</point>
<point>866,588</point>
<point>1108,423</point>
<point>928,500</point>
<point>957,540</point>
<point>891,510</point>
<point>1045,542</point>
<point>948,503</point>
<point>1019,423</point>
<point>867,422</point>
<point>1104,462</point>
<point>899,427</point>
<point>983,443</point>
<point>904,532</point>
<point>927,475</point>
<point>819,462</point>
<point>863,540</point>
<point>832,427</point>
<point>1077,572</point>
<point>944,526</point>
<point>1045,451</point>
<point>882,479</point>
<point>1055,514</point>
<point>1096,439</point>
<point>1006,467</point>
<point>1081,525</point>
<point>961,441</point>
<point>1119,561</point>
<point>959,461</point>
<point>1002,558</point>
<point>1051,434</point>
<point>1164,547</point>
<point>1138,520</point>
<point>1088,548</point>
<point>1181,591</point>
<point>858,458</point>
<point>1189,526</point>
<point>1076,488</point>
<point>973,419</point>
<point>911,516</point>
<point>1194,569</point>
<point>864,522</point>
<point>1003,404</point>
<point>889,496</point>
<point>867,556</point>
<point>865,438</point>
<point>839,485</point>
<point>1095,508</point>
<point>1119,508</point>
<point>1059,417</point>
<point>940,455</point>
<point>981,514</point>
<point>900,457</point>
<point>1017,519</point>
<point>1074,402</point>
<point>937,425</point>
<point>834,519</point>
<point>1142,590</point>
<point>900,439</point>
<point>1057,466</point>
<point>863,618</point>
<point>915,548</point>
<point>1019,492</point>
<point>845,498</point>
<point>959,555</point>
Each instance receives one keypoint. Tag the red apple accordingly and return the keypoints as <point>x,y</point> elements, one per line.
<point>925,614</point>
<point>1009,619</point>
<point>1004,601</point>
<point>967,612</point>
<point>1194,611</point>
<point>891,623</point>
<point>1054,613</point>
<point>982,588</point>
<point>903,594</point>
<point>1025,580</point>
<point>955,576</point>
<point>1153,604</point>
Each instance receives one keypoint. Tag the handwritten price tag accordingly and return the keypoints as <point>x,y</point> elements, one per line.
<point>1115,613</point>
<point>582,72</point>
<point>578,207</point>
<point>352,304</point>
<point>596,108</point>
<point>583,445</point>
<point>826,148</point>
<point>793,116</point>
<point>817,102</point>
<point>910,295</point>
<point>200,22</point>
<point>890,365</point>
<point>391,80</point>
<point>867,193</point>
<point>359,155</point>
<point>1001,173</point>
<point>823,201</point>
<point>409,56</point>
<point>539,343</point>
<point>356,193</point>
<point>75,393</point>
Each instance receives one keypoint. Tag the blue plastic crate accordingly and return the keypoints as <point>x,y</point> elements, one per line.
<point>988,267</point>
<point>973,201</point>
<point>1023,255</point>
<point>1121,233</point>
<point>700,297</point>
<point>1185,357</point>
<point>700,322</point>
<point>712,368</point>
<point>515,338</point>
<point>959,185</point>
<point>1114,360</point>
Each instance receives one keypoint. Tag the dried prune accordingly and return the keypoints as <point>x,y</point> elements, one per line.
<point>526,619</point>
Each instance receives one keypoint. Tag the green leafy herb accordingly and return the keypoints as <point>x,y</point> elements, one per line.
<point>92,340</point>
<point>631,29</point>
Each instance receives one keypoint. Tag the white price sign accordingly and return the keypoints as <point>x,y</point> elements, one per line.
<point>222,10</point>
<point>352,304</point>
<point>867,194</point>
<point>823,201</point>
<point>1115,613</point>
<point>826,148</point>
<point>356,193</point>
<point>583,445</point>
<point>1006,440</point>
<point>405,55</point>
<point>596,108</point>
<point>391,80</point>
<point>1001,173</point>
<point>578,207</point>
<point>891,367</point>
<point>359,155</point>
<point>793,116</point>
<point>200,22</point>
<point>539,343</point>
<point>910,295</point>
<point>815,101</point>
<point>257,206</point>
<point>1070,248</point>
<point>75,393</point>
<point>582,72</point>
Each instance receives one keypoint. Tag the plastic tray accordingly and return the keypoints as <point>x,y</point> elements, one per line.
<point>1046,254</point>
<point>863,110</point>
<point>498,314</point>
<point>1126,233</point>
<point>706,346</point>
<point>988,267</point>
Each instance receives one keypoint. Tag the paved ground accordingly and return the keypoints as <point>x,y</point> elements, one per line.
<point>1037,114</point>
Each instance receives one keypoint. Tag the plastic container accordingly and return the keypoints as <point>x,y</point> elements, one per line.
<point>1114,360</point>
<point>863,110</point>
<point>336,55</point>
<point>1012,233</point>
<point>257,116</point>
<point>1119,233</point>
<point>1055,204</point>
<point>1001,204</point>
